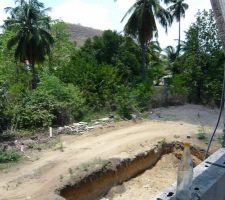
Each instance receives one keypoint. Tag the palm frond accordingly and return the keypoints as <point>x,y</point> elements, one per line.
<point>130,10</point>
<point>32,39</point>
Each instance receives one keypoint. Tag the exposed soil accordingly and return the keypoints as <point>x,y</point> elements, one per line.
<point>151,182</point>
<point>39,178</point>
<point>97,182</point>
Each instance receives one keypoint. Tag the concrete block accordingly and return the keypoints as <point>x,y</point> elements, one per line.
<point>208,182</point>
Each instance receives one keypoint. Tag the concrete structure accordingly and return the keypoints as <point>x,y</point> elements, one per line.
<point>208,182</point>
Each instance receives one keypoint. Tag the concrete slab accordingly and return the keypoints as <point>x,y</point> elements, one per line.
<point>208,181</point>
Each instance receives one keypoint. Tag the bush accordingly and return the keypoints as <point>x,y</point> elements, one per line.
<point>201,136</point>
<point>98,81</point>
<point>51,103</point>
<point>7,135</point>
<point>4,119</point>
<point>69,100</point>
<point>177,85</point>
<point>8,156</point>
<point>142,94</point>
<point>125,102</point>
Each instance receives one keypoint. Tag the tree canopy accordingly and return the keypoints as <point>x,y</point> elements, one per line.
<point>31,33</point>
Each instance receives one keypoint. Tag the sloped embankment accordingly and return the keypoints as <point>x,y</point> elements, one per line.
<point>96,183</point>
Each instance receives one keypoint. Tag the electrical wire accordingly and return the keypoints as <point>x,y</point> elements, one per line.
<point>219,117</point>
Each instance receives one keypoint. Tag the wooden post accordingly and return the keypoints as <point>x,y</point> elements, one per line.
<point>50,132</point>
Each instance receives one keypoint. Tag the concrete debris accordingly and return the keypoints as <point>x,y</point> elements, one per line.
<point>81,127</point>
<point>76,128</point>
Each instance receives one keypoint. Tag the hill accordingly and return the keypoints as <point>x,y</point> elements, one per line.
<point>80,34</point>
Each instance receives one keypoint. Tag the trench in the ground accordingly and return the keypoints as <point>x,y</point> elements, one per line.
<point>139,177</point>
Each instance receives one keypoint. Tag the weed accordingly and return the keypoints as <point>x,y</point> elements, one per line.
<point>95,164</point>
<point>9,156</point>
<point>7,135</point>
<point>201,136</point>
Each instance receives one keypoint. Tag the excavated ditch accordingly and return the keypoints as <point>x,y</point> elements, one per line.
<point>96,183</point>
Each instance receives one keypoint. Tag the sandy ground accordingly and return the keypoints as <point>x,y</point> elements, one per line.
<point>38,179</point>
<point>150,183</point>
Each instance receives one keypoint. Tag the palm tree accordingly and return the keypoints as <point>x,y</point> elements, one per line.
<point>177,10</point>
<point>170,55</point>
<point>32,39</point>
<point>156,63</point>
<point>142,23</point>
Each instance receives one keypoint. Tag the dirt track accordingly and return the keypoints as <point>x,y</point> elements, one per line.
<point>39,179</point>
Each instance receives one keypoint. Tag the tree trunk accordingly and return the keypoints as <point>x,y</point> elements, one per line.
<point>35,78</point>
<point>219,12</point>
<point>178,47</point>
<point>143,60</point>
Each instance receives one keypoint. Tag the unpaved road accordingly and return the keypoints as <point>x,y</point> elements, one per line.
<point>38,179</point>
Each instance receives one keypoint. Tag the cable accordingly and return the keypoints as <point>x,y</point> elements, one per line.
<point>218,121</point>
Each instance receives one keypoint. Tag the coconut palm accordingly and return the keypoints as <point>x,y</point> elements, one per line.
<point>171,53</point>
<point>32,39</point>
<point>177,10</point>
<point>156,63</point>
<point>170,56</point>
<point>142,23</point>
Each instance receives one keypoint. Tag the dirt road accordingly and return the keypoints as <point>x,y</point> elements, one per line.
<point>38,179</point>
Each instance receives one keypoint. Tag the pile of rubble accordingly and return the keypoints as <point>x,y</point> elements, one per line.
<point>75,128</point>
<point>80,127</point>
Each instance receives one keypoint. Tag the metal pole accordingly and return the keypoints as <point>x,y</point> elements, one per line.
<point>222,6</point>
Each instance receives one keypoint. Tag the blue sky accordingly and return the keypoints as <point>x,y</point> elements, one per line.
<point>107,14</point>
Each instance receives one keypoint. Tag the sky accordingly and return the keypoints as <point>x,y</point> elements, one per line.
<point>107,14</point>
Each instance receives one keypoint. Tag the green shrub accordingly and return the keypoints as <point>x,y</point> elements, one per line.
<point>98,82</point>
<point>69,100</point>
<point>125,103</point>
<point>201,136</point>
<point>6,136</point>
<point>177,85</point>
<point>4,118</point>
<point>51,103</point>
<point>8,156</point>
<point>142,94</point>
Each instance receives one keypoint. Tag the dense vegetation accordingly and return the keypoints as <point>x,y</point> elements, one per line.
<point>66,83</point>
<point>199,70</point>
